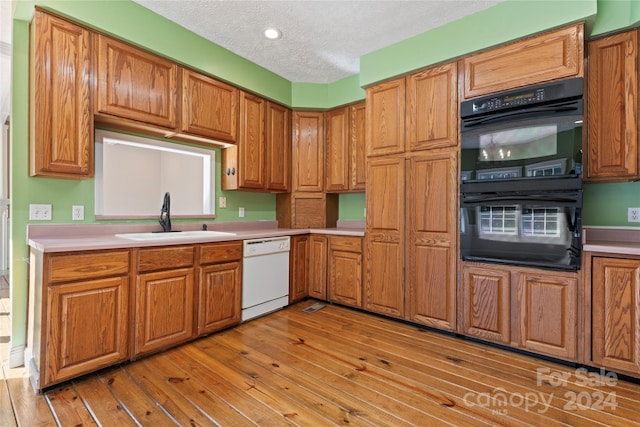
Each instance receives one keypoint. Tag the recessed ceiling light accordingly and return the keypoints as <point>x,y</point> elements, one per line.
<point>272,33</point>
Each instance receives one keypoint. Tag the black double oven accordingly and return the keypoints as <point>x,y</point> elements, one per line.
<point>521,185</point>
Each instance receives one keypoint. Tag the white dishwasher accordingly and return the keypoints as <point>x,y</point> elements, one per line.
<point>265,276</point>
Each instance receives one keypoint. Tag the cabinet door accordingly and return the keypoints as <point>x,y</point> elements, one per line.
<point>251,145</point>
<point>486,301</point>
<point>61,137</point>
<point>278,151</point>
<point>432,185</point>
<point>209,107</point>
<point>612,114</point>
<point>385,108</point>
<point>337,150</point>
<point>318,267</point>
<point>547,319</point>
<point>135,84</point>
<point>358,116</point>
<point>432,104</point>
<point>219,296</point>
<point>308,151</point>
<point>384,258</point>
<point>299,271</point>
<point>345,271</point>
<point>87,327</point>
<point>164,309</point>
<point>553,55</point>
<point>616,313</point>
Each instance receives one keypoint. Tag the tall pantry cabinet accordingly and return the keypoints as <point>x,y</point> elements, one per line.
<point>411,233</point>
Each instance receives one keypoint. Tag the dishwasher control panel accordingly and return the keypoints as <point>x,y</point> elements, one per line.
<point>269,245</point>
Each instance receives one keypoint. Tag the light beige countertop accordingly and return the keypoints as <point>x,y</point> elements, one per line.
<point>83,237</point>
<point>613,240</point>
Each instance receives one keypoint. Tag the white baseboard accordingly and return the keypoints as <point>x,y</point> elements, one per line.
<point>16,356</point>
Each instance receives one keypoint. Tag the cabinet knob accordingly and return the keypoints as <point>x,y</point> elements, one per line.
<point>231,171</point>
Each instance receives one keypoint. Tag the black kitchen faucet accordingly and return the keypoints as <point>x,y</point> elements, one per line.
<point>165,216</point>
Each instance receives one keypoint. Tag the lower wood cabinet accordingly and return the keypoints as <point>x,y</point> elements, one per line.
<point>523,307</point>
<point>299,268</point>
<point>318,267</point>
<point>344,283</point>
<point>615,311</point>
<point>219,286</point>
<point>163,298</point>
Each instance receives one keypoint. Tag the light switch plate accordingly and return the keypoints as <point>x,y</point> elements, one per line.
<point>241,212</point>
<point>39,212</point>
<point>222,202</point>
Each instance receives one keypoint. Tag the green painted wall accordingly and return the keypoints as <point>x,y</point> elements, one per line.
<point>123,18</point>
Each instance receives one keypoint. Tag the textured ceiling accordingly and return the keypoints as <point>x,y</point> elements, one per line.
<point>322,40</point>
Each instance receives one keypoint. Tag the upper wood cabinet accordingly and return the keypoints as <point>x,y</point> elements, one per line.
<point>135,84</point>
<point>385,109</point>
<point>612,114</point>
<point>337,153</point>
<point>278,148</point>
<point>616,313</point>
<point>552,55</point>
<point>432,108</point>
<point>60,111</point>
<point>308,151</point>
<point>209,107</point>
<point>251,145</point>
<point>345,151</point>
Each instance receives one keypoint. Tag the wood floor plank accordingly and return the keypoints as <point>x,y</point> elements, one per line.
<point>215,408</point>
<point>260,385</point>
<point>101,403</point>
<point>6,410</point>
<point>69,407</point>
<point>30,408</point>
<point>364,401</point>
<point>134,399</point>
<point>197,364</point>
<point>172,402</point>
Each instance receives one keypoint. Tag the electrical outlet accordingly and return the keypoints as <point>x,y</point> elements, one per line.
<point>241,212</point>
<point>39,212</point>
<point>222,202</point>
<point>77,213</point>
<point>633,215</point>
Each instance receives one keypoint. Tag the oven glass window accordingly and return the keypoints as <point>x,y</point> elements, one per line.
<point>541,222</point>
<point>498,220</point>
<point>516,143</point>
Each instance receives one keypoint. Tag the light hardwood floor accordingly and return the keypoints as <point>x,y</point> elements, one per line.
<point>334,366</point>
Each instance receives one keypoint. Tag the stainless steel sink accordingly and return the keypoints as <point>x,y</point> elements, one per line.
<point>174,235</point>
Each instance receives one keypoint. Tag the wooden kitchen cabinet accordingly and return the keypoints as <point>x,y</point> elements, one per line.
<point>526,308</point>
<point>384,289</point>
<point>552,55</point>
<point>299,270</point>
<point>251,146</point>
<point>78,313</point>
<point>432,108</point>
<point>60,110</point>
<point>278,148</point>
<point>308,151</point>
<point>219,286</point>
<point>344,283</point>
<point>318,266</point>
<point>385,110</point>
<point>615,305</point>
<point>164,296</point>
<point>135,84</point>
<point>546,313</point>
<point>612,114</point>
<point>486,302</point>
<point>345,162</point>
<point>432,204</point>
<point>209,108</point>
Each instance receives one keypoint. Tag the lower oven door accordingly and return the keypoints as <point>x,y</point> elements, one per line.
<point>539,230</point>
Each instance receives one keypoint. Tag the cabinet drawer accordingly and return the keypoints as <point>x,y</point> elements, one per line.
<point>220,252</point>
<point>74,266</point>
<point>165,258</point>
<point>349,244</point>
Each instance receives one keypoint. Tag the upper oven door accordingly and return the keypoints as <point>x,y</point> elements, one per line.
<point>533,142</point>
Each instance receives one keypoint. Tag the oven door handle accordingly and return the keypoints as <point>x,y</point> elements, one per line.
<point>544,111</point>
<point>547,199</point>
